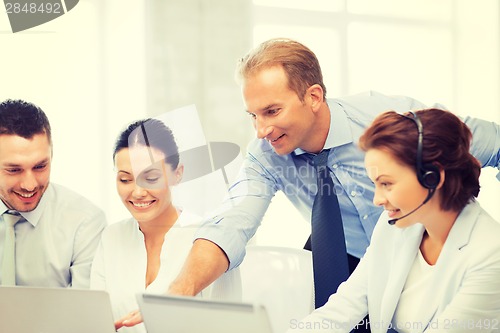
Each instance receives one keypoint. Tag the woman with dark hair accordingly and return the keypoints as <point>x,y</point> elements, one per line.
<point>147,251</point>
<point>434,260</point>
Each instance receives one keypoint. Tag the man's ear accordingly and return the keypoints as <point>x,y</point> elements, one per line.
<point>315,95</point>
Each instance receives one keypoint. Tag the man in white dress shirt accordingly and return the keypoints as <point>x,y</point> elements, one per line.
<point>58,230</point>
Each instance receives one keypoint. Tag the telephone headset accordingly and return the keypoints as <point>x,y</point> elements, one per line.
<point>427,174</point>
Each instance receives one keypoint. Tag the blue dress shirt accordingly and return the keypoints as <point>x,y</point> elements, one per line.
<point>264,172</point>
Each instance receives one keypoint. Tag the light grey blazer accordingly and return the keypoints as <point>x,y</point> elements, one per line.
<point>464,293</point>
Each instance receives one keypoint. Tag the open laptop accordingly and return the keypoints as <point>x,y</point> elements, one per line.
<point>54,310</point>
<point>174,314</point>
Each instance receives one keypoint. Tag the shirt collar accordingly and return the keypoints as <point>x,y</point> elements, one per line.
<point>340,129</point>
<point>34,216</point>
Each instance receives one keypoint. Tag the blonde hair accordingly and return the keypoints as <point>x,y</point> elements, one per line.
<point>299,63</point>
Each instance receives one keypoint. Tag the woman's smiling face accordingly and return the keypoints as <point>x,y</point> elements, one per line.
<point>143,181</point>
<point>396,186</point>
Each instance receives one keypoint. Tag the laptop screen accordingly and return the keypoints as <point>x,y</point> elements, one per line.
<point>54,310</point>
<point>164,314</point>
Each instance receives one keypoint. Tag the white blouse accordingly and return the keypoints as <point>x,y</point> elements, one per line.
<point>412,297</point>
<point>120,263</point>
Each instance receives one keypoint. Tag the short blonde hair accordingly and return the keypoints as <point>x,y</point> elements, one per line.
<point>299,63</point>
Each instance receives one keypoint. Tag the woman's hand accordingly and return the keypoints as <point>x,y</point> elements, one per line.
<point>131,319</point>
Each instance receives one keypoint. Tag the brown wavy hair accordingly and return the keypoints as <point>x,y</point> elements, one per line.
<point>446,144</point>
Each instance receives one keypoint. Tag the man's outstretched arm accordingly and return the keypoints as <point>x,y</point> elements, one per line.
<point>204,264</point>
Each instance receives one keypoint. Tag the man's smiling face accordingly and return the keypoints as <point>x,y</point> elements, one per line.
<point>279,115</point>
<point>24,170</point>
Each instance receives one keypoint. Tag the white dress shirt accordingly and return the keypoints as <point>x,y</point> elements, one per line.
<point>56,242</point>
<point>120,263</point>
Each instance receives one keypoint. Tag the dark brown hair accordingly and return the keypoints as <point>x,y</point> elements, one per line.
<point>150,132</point>
<point>446,143</point>
<point>24,119</point>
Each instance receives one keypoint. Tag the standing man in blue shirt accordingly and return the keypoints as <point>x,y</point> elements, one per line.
<point>284,94</point>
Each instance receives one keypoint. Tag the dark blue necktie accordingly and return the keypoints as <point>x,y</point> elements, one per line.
<point>329,253</point>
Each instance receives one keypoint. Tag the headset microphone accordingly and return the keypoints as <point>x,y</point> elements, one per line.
<point>427,174</point>
<point>429,196</point>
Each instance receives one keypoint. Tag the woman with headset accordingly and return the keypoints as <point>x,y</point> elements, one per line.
<point>434,260</point>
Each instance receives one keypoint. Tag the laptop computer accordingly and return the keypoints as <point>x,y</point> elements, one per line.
<point>54,310</point>
<point>176,314</point>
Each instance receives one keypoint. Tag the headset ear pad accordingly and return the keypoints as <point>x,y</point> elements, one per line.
<point>429,177</point>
